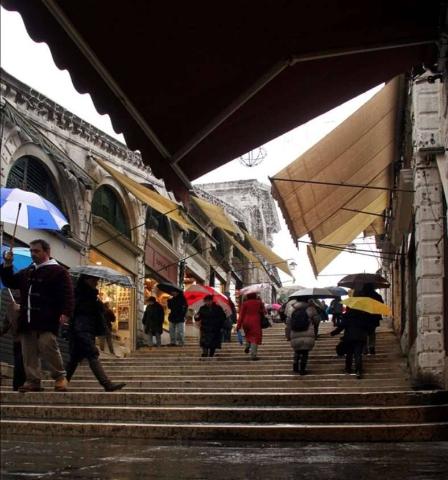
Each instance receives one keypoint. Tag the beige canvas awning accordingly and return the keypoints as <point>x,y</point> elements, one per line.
<point>149,197</point>
<point>271,257</point>
<point>359,151</point>
<point>249,255</point>
<point>321,256</point>
<point>217,215</point>
<point>359,203</point>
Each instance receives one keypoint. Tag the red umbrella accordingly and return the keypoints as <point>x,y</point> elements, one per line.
<point>196,293</point>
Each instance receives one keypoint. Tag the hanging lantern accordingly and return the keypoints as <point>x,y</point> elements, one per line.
<point>254,157</point>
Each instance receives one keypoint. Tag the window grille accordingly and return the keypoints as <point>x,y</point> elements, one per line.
<point>30,174</point>
<point>107,206</point>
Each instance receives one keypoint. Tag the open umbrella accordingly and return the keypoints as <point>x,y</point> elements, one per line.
<point>367,304</point>
<point>29,210</point>
<point>196,293</point>
<point>316,292</point>
<point>357,280</point>
<point>106,274</point>
<point>339,291</point>
<point>21,259</point>
<point>169,288</point>
<point>273,306</point>
<point>256,288</point>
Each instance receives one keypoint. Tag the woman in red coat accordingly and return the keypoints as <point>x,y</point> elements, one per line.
<point>250,320</point>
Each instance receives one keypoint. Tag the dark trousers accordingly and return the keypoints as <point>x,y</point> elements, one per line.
<point>19,376</point>
<point>226,334</point>
<point>208,352</point>
<point>354,351</point>
<point>300,356</point>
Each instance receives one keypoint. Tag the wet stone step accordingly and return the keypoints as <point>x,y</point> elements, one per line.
<point>383,398</point>
<point>235,431</point>
<point>403,414</point>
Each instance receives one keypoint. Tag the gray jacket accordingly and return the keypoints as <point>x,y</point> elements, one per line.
<point>302,340</point>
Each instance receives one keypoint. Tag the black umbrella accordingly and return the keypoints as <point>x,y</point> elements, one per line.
<point>169,288</point>
<point>357,280</point>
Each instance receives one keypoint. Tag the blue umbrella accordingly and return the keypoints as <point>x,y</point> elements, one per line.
<point>341,292</point>
<point>29,210</point>
<point>22,259</point>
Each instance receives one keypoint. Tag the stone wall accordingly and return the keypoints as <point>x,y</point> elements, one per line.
<point>429,237</point>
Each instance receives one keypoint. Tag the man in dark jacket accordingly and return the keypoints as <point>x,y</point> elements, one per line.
<point>153,321</point>
<point>212,318</point>
<point>374,320</point>
<point>46,302</point>
<point>356,327</point>
<point>178,309</point>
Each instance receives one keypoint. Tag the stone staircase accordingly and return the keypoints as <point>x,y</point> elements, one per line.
<point>172,393</point>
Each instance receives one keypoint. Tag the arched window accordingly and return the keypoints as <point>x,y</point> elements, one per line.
<point>220,242</point>
<point>30,174</point>
<point>159,222</point>
<point>106,204</point>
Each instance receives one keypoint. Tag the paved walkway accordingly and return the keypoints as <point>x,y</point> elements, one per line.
<point>116,459</point>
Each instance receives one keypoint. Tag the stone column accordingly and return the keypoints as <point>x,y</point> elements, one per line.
<point>428,364</point>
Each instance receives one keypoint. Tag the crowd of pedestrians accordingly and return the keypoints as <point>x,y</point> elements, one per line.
<point>48,301</point>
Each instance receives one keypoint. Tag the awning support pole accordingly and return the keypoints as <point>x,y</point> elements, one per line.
<point>341,184</point>
<point>382,215</point>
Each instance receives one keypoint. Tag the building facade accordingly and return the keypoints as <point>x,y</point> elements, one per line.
<point>416,242</point>
<point>50,151</point>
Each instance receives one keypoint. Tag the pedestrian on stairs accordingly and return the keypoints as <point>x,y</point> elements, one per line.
<point>212,318</point>
<point>88,322</point>
<point>46,302</point>
<point>249,320</point>
<point>153,321</point>
<point>300,332</point>
<point>110,318</point>
<point>355,325</point>
<point>368,290</point>
<point>178,311</point>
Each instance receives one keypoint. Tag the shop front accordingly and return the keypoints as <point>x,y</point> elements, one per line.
<point>120,300</point>
<point>161,266</point>
<point>120,254</point>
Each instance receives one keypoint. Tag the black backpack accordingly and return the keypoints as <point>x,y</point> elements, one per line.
<point>299,320</point>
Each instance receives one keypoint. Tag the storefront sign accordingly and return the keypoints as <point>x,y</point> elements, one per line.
<point>164,266</point>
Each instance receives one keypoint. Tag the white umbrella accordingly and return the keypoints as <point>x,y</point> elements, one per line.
<point>315,292</point>
<point>29,210</point>
<point>256,288</point>
<point>104,273</point>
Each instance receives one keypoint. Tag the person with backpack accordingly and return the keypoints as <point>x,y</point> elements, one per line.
<point>300,332</point>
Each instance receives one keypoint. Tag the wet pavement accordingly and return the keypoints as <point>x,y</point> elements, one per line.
<point>101,458</point>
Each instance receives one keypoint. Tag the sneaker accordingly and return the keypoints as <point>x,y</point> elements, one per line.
<point>112,387</point>
<point>30,387</point>
<point>247,350</point>
<point>60,385</point>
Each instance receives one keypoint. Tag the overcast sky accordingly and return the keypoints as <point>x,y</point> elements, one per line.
<point>32,63</point>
